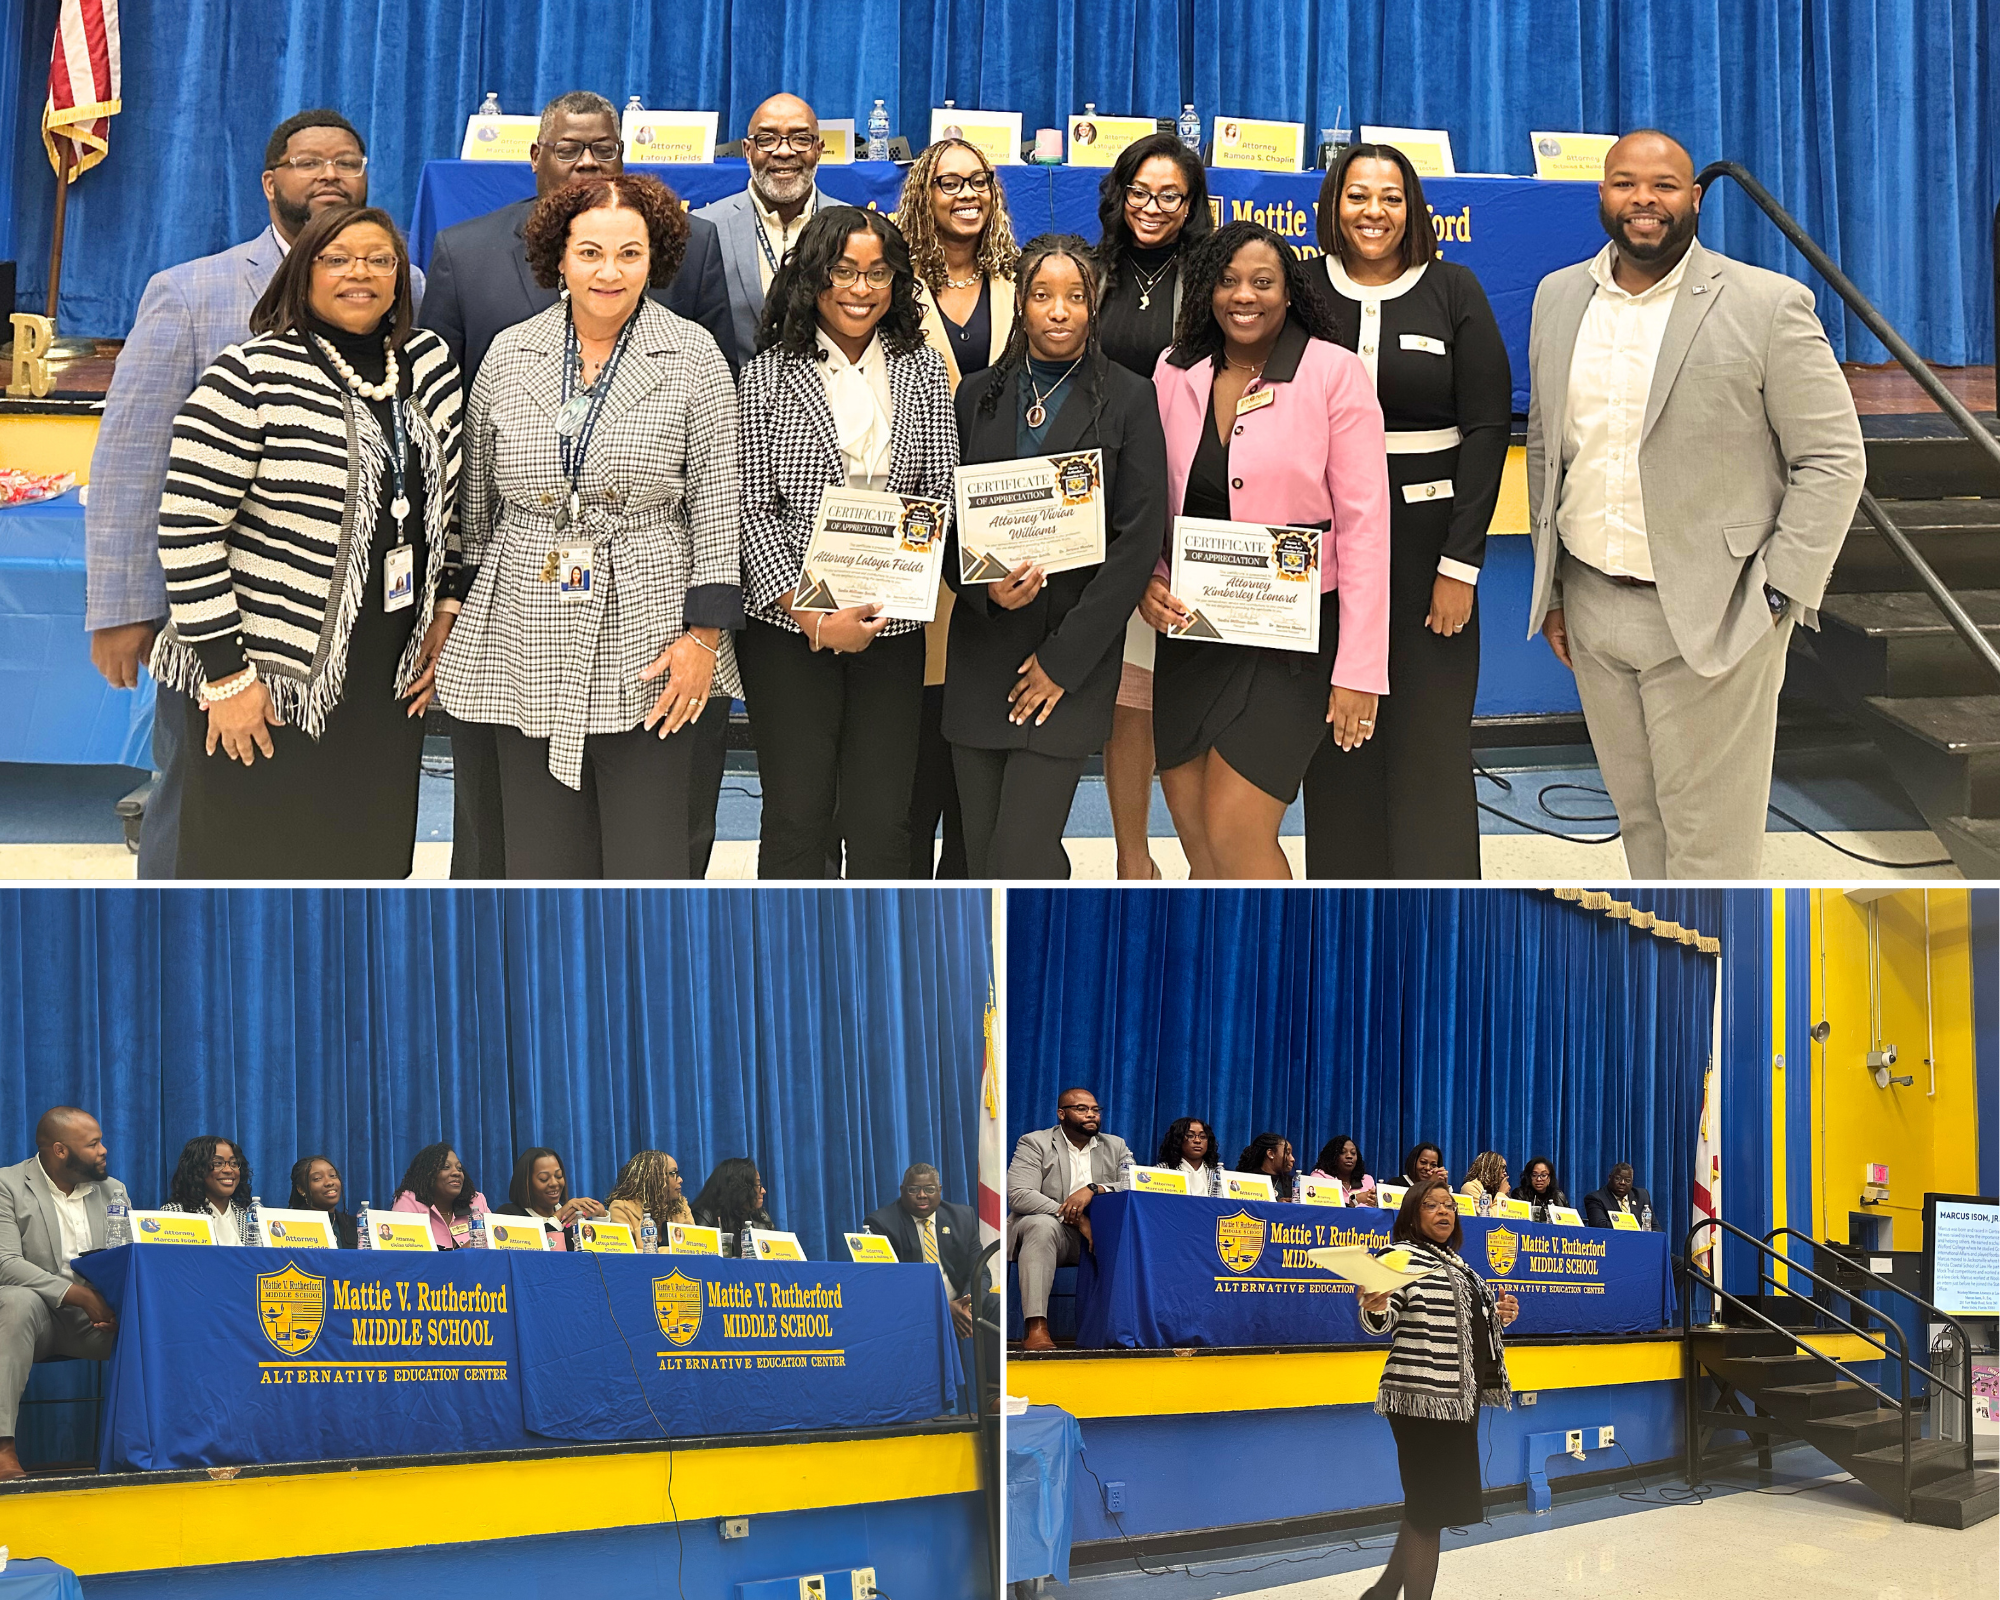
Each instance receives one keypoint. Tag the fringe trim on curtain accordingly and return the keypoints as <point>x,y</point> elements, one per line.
<point>1644,921</point>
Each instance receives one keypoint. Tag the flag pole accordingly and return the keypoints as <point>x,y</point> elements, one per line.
<point>62,214</point>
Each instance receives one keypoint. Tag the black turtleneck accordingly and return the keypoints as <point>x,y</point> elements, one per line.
<point>365,353</point>
<point>1131,336</point>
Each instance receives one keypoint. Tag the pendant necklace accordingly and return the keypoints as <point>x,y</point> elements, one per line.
<point>1038,412</point>
<point>1148,285</point>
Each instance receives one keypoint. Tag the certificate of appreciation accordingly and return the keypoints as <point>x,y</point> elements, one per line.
<point>868,547</point>
<point>1244,583</point>
<point>1044,509</point>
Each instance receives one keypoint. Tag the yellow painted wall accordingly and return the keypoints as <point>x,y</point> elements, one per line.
<point>48,444</point>
<point>1929,1143</point>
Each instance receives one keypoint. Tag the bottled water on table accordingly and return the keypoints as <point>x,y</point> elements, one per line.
<point>1125,1171</point>
<point>878,133</point>
<point>479,1239</point>
<point>364,1236</point>
<point>649,1234</point>
<point>1190,128</point>
<point>1646,1218</point>
<point>490,106</point>
<point>634,104</point>
<point>253,1223</point>
<point>744,1248</point>
<point>117,1224</point>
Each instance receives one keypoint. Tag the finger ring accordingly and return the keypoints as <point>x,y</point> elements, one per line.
<point>1367,722</point>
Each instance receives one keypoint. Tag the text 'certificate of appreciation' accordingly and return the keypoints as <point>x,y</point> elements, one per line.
<point>1044,509</point>
<point>1244,583</point>
<point>869,547</point>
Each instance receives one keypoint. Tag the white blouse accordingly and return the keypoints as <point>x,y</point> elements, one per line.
<point>858,392</point>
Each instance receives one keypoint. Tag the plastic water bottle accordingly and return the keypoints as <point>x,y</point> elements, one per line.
<point>745,1249</point>
<point>252,1223</point>
<point>649,1234</point>
<point>878,133</point>
<point>1646,1218</point>
<point>364,1235</point>
<point>1190,128</point>
<point>634,104</point>
<point>490,106</point>
<point>1125,1167</point>
<point>479,1239</point>
<point>1090,108</point>
<point>117,1224</point>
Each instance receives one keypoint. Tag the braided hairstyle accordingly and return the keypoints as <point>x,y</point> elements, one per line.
<point>997,252</point>
<point>1198,336</point>
<point>1037,253</point>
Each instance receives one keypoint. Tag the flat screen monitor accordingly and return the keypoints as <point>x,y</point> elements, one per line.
<point>1962,1254</point>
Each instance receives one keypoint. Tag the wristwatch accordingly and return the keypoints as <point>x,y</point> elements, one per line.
<point>1777,600</point>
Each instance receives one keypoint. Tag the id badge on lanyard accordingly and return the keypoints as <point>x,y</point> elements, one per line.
<point>399,566</point>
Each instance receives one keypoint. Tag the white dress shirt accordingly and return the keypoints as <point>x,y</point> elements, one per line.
<point>72,1219</point>
<point>1601,516</point>
<point>1079,1162</point>
<point>1202,1180</point>
<point>223,1219</point>
<point>858,392</point>
<point>779,235</point>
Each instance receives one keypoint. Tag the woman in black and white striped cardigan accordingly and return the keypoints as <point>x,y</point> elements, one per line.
<point>305,530</point>
<point>1446,1360</point>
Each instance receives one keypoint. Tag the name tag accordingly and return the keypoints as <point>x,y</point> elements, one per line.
<point>399,578</point>
<point>1257,401</point>
<point>568,568</point>
<point>1418,493</point>
<point>1424,342</point>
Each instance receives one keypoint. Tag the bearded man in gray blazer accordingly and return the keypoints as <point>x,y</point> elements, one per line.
<point>52,1207</point>
<point>1694,461</point>
<point>1050,1183</point>
<point>759,225</point>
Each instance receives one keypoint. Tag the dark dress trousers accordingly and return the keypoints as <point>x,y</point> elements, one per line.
<point>1599,1204</point>
<point>481,268</point>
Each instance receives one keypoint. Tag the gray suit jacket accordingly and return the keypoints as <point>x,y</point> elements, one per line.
<point>735,222</point>
<point>1038,1176</point>
<point>31,1237</point>
<point>1750,457</point>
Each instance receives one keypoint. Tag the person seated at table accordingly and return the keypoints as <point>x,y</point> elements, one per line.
<point>1340,1157</point>
<point>650,1180</point>
<point>1271,1154</point>
<point>212,1179</point>
<point>438,1186</point>
<point>924,1226</point>
<point>52,1209</point>
<point>1424,1162</point>
<point>1540,1187</point>
<point>759,226</point>
<point>1051,1181</point>
<point>1188,1147</point>
<point>316,1187</point>
<point>1618,1194</point>
<point>1486,1178</point>
<point>540,1188</point>
<point>732,1200</point>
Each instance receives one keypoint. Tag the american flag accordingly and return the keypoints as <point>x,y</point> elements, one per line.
<point>84,85</point>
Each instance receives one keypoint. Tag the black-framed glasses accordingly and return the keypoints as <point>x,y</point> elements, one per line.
<point>1167,201</point>
<point>770,143</point>
<point>573,149</point>
<point>845,277</point>
<point>348,166</point>
<point>225,1163</point>
<point>956,183</point>
<point>340,263</point>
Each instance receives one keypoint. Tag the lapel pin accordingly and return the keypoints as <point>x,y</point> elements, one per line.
<point>1701,288</point>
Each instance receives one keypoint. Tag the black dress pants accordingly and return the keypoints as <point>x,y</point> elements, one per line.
<point>630,819</point>
<point>1015,804</point>
<point>935,799</point>
<point>836,739</point>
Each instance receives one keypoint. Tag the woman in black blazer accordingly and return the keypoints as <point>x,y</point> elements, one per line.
<point>1035,659</point>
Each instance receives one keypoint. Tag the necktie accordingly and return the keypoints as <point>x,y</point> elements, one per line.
<point>930,1243</point>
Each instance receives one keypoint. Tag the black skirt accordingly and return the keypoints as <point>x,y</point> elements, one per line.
<point>1439,1463</point>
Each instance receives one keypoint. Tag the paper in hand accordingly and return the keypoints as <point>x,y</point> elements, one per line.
<point>1373,1274</point>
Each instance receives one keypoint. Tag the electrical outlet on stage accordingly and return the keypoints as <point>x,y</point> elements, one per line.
<point>864,1583</point>
<point>734,1527</point>
<point>1528,1399</point>
<point>1114,1496</point>
<point>1573,1442</point>
<point>1606,1438</point>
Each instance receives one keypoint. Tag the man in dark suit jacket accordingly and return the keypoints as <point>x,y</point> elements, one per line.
<point>1618,1194</point>
<point>954,1229</point>
<point>480,283</point>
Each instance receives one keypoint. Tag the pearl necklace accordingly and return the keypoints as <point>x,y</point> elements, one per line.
<point>368,391</point>
<point>957,283</point>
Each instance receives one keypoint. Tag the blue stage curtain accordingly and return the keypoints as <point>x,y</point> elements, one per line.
<point>1873,121</point>
<point>833,1035</point>
<point>1481,1019</point>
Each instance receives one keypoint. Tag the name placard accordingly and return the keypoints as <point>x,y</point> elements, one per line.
<point>994,134</point>
<point>1248,1186</point>
<point>398,1230</point>
<point>679,136</point>
<point>280,1229</point>
<point>1520,1209</point>
<point>870,1247</point>
<point>776,1245</point>
<point>516,1233</point>
<point>171,1227</point>
<point>605,1238</point>
<point>1467,1206</point>
<point>1566,1216</point>
<point>1158,1180</point>
<point>499,138</point>
<point>1258,146</point>
<point>836,142</point>
<point>1321,1192</point>
<point>1625,1222</point>
<point>1100,141</point>
<point>1571,157</point>
<point>1389,1196</point>
<point>1429,149</point>
<point>691,1239</point>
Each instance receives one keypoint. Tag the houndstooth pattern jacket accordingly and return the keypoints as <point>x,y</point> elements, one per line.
<point>659,507</point>
<point>790,452</point>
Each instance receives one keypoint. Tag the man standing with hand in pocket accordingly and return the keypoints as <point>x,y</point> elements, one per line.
<point>1694,461</point>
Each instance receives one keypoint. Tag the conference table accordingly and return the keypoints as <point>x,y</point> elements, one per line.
<point>1172,1271</point>
<point>239,1356</point>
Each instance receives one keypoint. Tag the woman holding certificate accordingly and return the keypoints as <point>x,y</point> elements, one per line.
<point>1402,805</point>
<point>848,442</point>
<point>1035,653</point>
<point>1277,633</point>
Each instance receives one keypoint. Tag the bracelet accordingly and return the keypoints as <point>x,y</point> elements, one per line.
<point>818,623</point>
<point>236,685</point>
<point>711,649</point>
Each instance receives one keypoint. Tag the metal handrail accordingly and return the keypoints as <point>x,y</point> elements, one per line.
<point>991,1471</point>
<point>1941,597</point>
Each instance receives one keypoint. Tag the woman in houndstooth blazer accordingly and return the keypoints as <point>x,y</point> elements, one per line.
<point>605,559</point>
<point>844,391</point>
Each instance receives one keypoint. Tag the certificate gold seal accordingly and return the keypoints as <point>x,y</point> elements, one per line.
<point>1076,478</point>
<point>1293,555</point>
<point>1239,1240</point>
<point>921,525</point>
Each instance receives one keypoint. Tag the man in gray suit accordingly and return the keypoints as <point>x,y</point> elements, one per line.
<point>52,1208</point>
<point>1694,461</point>
<point>1050,1183</point>
<point>760,225</point>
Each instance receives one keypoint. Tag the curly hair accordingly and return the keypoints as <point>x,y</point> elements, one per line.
<point>730,1195</point>
<point>186,1188</point>
<point>287,298</point>
<point>1257,1151</point>
<point>1114,234</point>
<point>1410,1160</point>
<point>1419,242</point>
<point>1329,1156</point>
<point>1198,336</point>
<point>643,1180</point>
<point>422,1176</point>
<point>524,1172</point>
<point>1176,1136</point>
<point>547,228</point>
<point>791,308</point>
<point>1408,1226</point>
<point>1041,250</point>
<point>997,252</point>
<point>301,1199</point>
<point>1489,1170</point>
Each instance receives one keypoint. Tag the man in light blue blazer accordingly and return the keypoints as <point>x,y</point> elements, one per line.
<point>759,225</point>
<point>187,317</point>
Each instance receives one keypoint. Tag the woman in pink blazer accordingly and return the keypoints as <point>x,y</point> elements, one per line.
<point>1299,442</point>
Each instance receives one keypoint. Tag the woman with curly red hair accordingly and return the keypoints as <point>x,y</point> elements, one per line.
<point>598,520</point>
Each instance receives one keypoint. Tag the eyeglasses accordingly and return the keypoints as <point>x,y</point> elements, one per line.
<point>1079,1107</point>
<point>845,277</point>
<point>770,143</point>
<point>953,183</point>
<point>306,166</point>
<point>339,263</point>
<point>573,149</point>
<point>1166,202</point>
<point>229,1163</point>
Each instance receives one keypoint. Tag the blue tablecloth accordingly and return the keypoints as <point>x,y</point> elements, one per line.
<point>54,705</point>
<point>1041,1444</point>
<point>1511,231</point>
<point>1170,1271</point>
<point>236,1356</point>
<point>34,1578</point>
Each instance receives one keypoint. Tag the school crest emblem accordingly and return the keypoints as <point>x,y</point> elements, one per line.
<point>1294,554</point>
<point>1239,1240</point>
<point>1503,1246</point>
<point>922,525</point>
<point>677,1307</point>
<point>291,1309</point>
<point>1076,478</point>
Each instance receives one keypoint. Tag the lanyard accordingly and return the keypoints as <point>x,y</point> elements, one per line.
<point>399,507</point>
<point>764,237</point>
<point>577,420</point>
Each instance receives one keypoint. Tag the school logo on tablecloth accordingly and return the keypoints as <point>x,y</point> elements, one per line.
<point>677,1307</point>
<point>291,1307</point>
<point>1239,1240</point>
<point>1503,1245</point>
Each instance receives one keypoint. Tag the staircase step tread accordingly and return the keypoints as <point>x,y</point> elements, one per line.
<point>1961,1486</point>
<point>1909,615</point>
<point>1983,830</point>
<point>1858,1419</point>
<point>1921,1450</point>
<point>1809,1391</point>
<point>1963,724</point>
<point>1945,515</point>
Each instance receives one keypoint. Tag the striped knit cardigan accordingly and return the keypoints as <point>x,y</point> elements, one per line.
<point>274,484</point>
<point>1430,1369</point>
